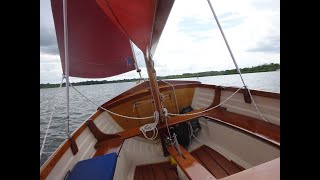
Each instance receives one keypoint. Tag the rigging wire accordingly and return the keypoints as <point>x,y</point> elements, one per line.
<point>190,114</point>
<point>233,59</point>
<point>50,120</point>
<point>128,117</point>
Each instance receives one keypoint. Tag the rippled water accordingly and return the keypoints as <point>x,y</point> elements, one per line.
<point>81,109</point>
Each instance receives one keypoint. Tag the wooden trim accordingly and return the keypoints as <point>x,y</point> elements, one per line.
<point>190,85</point>
<point>50,163</point>
<point>73,146</point>
<point>253,126</point>
<point>109,146</point>
<point>246,95</point>
<point>189,165</point>
<point>97,133</point>
<point>217,97</point>
<point>257,93</point>
<point>253,92</point>
<point>83,126</point>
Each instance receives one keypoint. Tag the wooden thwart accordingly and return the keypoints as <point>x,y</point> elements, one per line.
<point>189,165</point>
<point>214,162</point>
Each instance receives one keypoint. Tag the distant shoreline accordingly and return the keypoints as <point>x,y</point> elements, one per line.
<point>255,69</point>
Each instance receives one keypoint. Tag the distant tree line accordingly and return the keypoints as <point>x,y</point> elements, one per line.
<point>254,69</point>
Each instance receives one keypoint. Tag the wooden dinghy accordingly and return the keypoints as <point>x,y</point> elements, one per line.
<point>157,129</point>
<point>234,137</point>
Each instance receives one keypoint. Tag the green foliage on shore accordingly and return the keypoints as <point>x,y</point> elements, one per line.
<point>254,69</point>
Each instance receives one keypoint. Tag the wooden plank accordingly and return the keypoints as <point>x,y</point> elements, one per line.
<point>148,173</point>
<point>225,164</point>
<point>138,173</point>
<point>159,172</point>
<point>197,158</point>
<point>190,166</point>
<point>213,167</point>
<point>265,171</point>
<point>170,171</point>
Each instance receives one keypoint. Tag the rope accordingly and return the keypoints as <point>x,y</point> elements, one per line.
<point>151,127</point>
<point>49,123</point>
<point>128,117</point>
<point>175,96</point>
<point>165,112</point>
<point>191,134</point>
<point>257,107</point>
<point>209,108</point>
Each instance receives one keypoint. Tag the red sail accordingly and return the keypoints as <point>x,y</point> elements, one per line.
<point>141,20</point>
<point>97,48</point>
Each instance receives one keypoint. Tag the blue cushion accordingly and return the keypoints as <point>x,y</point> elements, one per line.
<point>100,167</point>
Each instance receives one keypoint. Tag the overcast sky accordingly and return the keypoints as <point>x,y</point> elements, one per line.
<point>191,40</point>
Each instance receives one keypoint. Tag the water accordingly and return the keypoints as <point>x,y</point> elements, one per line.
<point>81,109</point>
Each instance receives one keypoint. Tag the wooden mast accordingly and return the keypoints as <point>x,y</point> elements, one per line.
<point>153,84</point>
<point>154,88</point>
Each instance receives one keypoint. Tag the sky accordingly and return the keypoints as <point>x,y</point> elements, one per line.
<point>191,40</point>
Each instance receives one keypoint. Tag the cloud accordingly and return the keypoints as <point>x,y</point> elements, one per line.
<point>269,44</point>
<point>48,41</point>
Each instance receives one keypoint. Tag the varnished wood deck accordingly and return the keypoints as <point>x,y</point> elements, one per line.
<point>159,171</point>
<point>214,162</point>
